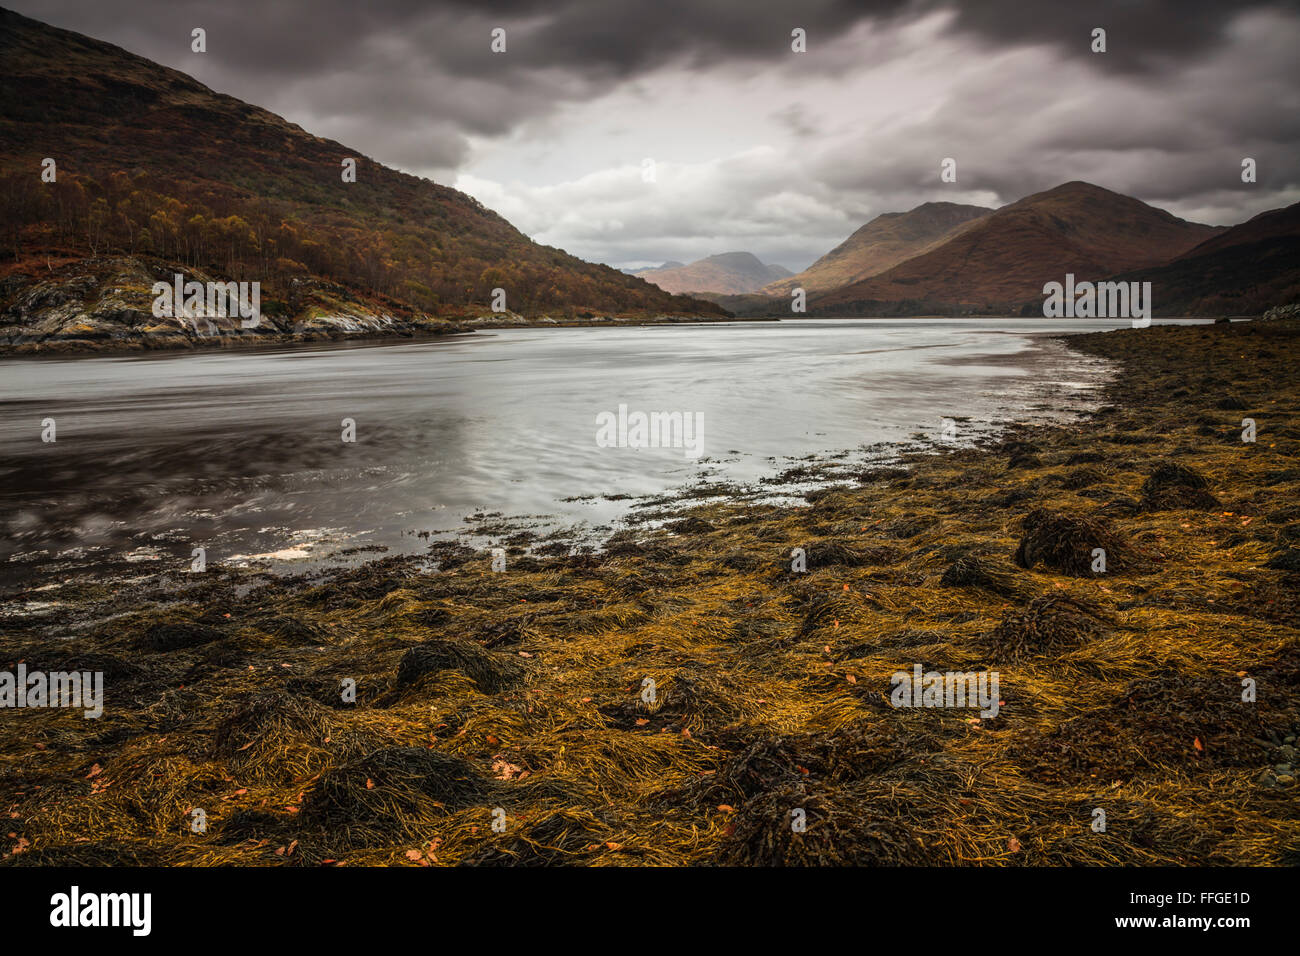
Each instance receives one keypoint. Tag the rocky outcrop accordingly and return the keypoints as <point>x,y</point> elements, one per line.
<point>107,303</point>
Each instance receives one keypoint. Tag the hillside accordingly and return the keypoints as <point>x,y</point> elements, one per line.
<point>1002,260</point>
<point>1244,270</point>
<point>731,273</point>
<point>154,166</point>
<point>880,245</point>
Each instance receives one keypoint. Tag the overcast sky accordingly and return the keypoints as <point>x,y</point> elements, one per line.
<point>756,147</point>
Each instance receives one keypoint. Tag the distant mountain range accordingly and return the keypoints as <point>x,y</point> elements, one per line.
<point>156,174</point>
<point>1001,261</point>
<point>880,245</point>
<point>950,259</point>
<point>730,273</point>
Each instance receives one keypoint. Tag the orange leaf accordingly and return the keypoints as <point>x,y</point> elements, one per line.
<point>1196,742</point>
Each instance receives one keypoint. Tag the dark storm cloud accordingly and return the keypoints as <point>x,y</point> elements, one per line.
<point>603,40</point>
<point>1140,35</point>
<point>359,65</point>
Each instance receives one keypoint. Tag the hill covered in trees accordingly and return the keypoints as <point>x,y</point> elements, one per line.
<point>149,163</point>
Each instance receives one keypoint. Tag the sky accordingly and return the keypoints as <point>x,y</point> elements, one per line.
<point>633,133</point>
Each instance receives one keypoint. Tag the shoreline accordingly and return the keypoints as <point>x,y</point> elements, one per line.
<point>522,689</point>
<point>179,343</point>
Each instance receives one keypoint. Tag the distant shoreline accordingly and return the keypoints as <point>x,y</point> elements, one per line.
<point>178,343</point>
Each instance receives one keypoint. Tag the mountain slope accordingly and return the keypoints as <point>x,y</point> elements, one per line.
<point>1002,260</point>
<point>730,273</point>
<point>151,163</point>
<point>1274,224</point>
<point>1244,270</point>
<point>880,245</point>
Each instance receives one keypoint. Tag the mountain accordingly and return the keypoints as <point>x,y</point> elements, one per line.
<point>1002,260</point>
<point>670,264</point>
<point>155,174</point>
<point>1275,224</point>
<point>730,273</point>
<point>880,245</point>
<point>1244,270</point>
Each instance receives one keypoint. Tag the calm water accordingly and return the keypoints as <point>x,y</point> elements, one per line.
<point>241,452</point>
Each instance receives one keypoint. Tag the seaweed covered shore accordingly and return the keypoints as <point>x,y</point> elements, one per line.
<point>686,696</point>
